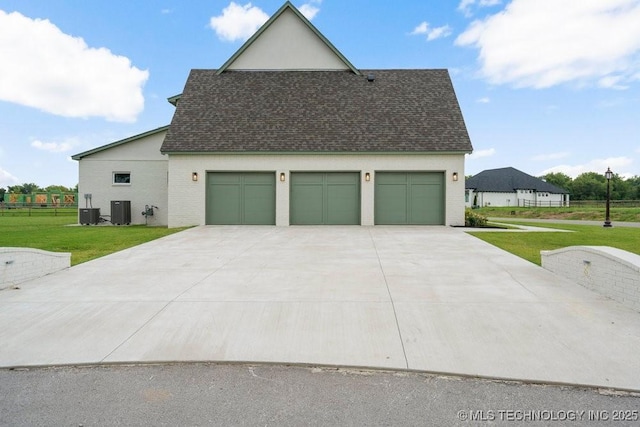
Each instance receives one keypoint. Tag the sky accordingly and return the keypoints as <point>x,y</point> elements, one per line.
<point>544,85</point>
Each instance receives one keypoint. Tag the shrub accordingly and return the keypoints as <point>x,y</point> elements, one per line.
<point>473,219</point>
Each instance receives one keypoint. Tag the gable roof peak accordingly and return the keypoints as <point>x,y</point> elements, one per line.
<point>269,30</point>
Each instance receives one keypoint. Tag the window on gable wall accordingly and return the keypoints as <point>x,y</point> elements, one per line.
<point>122,178</point>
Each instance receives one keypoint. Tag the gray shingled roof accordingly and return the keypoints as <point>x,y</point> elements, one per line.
<point>318,111</point>
<point>508,180</point>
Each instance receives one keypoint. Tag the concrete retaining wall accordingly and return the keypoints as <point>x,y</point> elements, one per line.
<point>18,265</point>
<point>609,271</point>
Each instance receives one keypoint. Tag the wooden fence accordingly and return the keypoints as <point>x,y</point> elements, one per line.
<point>7,209</point>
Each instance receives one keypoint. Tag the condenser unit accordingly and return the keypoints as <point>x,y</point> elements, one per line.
<point>120,212</point>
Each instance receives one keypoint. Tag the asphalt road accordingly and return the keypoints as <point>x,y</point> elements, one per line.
<point>270,395</point>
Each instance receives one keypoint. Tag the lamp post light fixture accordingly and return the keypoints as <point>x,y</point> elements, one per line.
<point>607,220</point>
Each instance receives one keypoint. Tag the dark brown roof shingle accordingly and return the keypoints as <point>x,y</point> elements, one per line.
<point>317,111</point>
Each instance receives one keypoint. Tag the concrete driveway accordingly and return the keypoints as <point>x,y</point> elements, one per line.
<point>419,298</point>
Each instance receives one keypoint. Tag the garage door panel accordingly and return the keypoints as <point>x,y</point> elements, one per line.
<point>240,198</point>
<point>307,178</point>
<point>229,211</point>
<point>343,205</point>
<point>306,204</point>
<point>259,204</point>
<point>434,211</point>
<point>409,198</point>
<point>423,209</point>
<point>266,179</point>
<point>319,198</point>
<point>391,203</point>
<point>342,178</point>
<point>391,178</point>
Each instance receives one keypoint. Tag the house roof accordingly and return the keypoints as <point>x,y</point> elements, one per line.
<point>508,180</point>
<point>79,156</point>
<point>287,6</point>
<point>318,111</point>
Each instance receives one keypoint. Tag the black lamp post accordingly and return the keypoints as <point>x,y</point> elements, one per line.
<point>607,220</point>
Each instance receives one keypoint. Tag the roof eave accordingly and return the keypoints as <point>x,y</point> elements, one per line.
<point>173,100</point>
<point>80,156</point>
<point>285,152</point>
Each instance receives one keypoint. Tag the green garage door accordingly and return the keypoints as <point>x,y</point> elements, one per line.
<point>331,198</point>
<point>409,198</point>
<point>241,198</point>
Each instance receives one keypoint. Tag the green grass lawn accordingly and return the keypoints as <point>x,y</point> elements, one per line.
<point>54,233</point>
<point>584,213</point>
<point>529,245</point>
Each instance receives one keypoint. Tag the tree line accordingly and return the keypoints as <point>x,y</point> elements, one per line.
<point>30,188</point>
<point>593,186</point>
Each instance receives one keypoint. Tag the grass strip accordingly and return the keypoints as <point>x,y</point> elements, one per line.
<point>529,245</point>
<point>57,234</point>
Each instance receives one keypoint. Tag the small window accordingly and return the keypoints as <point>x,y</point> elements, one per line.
<point>122,178</point>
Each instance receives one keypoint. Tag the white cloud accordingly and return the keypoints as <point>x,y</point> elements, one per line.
<point>542,43</point>
<point>465,6</point>
<point>477,154</point>
<point>238,22</point>
<point>439,32</point>
<point>550,156</point>
<point>166,11</point>
<point>423,28</point>
<point>310,9</point>
<point>431,33</point>
<point>54,147</point>
<point>484,100</point>
<point>611,82</point>
<point>46,69</point>
<point>617,165</point>
<point>6,178</point>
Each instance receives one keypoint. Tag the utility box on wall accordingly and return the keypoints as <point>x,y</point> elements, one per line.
<point>89,215</point>
<point>120,212</point>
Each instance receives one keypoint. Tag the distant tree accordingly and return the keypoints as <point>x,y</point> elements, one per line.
<point>620,188</point>
<point>59,188</point>
<point>589,186</point>
<point>2,191</point>
<point>26,188</point>
<point>558,179</point>
<point>634,187</point>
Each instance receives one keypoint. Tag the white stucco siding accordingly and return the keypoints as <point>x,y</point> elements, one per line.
<point>145,148</point>
<point>497,199</point>
<point>148,172</point>
<point>523,198</point>
<point>187,204</point>
<point>288,44</point>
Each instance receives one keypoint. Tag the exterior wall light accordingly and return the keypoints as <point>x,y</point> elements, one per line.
<point>455,176</point>
<point>282,176</point>
<point>194,176</point>
<point>367,177</point>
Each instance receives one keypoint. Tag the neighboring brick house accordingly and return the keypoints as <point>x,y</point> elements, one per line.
<point>289,132</point>
<point>511,187</point>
